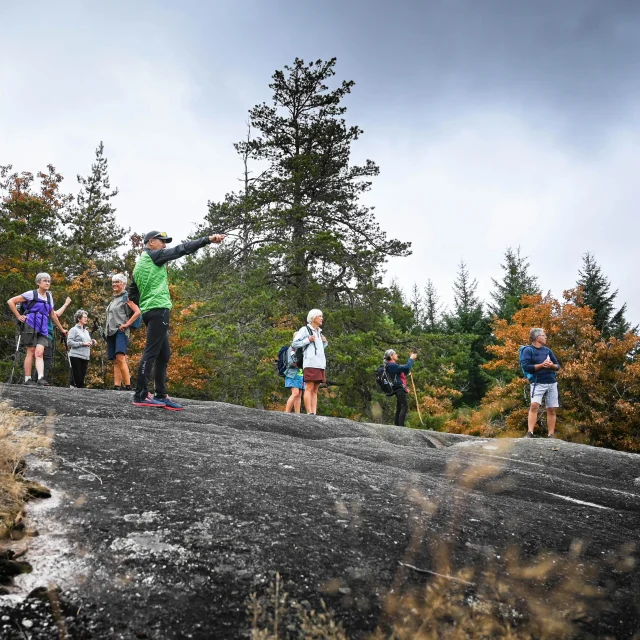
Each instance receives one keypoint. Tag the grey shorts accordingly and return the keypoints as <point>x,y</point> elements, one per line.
<point>547,391</point>
<point>31,338</point>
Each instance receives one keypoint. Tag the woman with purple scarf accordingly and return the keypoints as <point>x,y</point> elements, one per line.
<point>37,307</point>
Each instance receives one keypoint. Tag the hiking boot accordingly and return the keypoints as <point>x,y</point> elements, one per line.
<point>170,404</point>
<point>30,381</point>
<point>117,388</point>
<point>551,435</point>
<point>42,383</point>
<point>149,401</point>
<point>127,387</point>
<point>529,434</point>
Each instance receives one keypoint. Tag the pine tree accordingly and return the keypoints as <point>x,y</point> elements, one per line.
<point>417,306</point>
<point>432,309</point>
<point>468,318</point>
<point>320,240</point>
<point>595,290</point>
<point>93,235</point>
<point>468,314</point>
<point>516,282</point>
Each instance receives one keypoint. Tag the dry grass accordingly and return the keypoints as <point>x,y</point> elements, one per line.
<point>502,595</point>
<point>274,615</point>
<point>21,433</point>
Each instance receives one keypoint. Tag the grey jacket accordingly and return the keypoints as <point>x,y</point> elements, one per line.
<point>78,335</point>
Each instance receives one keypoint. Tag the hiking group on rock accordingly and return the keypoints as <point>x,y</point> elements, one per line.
<point>302,363</point>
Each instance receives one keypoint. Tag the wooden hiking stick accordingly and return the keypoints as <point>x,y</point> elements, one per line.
<point>415,393</point>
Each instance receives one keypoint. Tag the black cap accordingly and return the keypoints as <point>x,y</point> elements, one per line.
<point>162,235</point>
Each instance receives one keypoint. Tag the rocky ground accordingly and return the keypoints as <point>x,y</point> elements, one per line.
<point>162,524</point>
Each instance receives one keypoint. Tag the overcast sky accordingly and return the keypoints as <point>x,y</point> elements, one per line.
<point>495,122</point>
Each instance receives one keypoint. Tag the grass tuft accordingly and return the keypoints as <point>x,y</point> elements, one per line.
<point>21,433</point>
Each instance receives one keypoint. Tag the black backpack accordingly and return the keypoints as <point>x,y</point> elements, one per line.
<point>24,308</point>
<point>300,350</point>
<point>283,359</point>
<point>383,382</point>
<point>138,321</point>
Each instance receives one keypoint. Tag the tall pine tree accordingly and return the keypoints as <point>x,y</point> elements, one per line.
<point>516,282</point>
<point>468,314</point>
<point>468,317</point>
<point>432,309</point>
<point>93,235</point>
<point>321,242</point>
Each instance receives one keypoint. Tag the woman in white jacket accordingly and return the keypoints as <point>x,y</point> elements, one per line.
<point>314,363</point>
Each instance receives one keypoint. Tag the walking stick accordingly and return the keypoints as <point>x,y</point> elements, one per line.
<point>15,355</point>
<point>66,347</point>
<point>415,393</point>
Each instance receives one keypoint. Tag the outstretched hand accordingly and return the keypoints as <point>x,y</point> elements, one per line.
<point>217,238</point>
<point>413,356</point>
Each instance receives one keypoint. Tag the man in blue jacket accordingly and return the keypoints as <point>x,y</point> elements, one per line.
<point>540,362</point>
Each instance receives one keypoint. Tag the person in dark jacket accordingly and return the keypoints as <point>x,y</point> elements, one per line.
<point>397,375</point>
<point>539,360</point>
<point>149,289</point>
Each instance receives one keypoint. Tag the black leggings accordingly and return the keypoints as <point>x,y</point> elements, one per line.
<point>78,371</point>
<point>156,350</point>
<point>402,405</point>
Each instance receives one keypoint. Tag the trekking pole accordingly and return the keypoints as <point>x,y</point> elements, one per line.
<point>415,393</point>
<point>66,347</point>
<point>15,355</point>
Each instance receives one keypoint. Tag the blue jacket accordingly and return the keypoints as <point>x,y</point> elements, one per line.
<point>394,370</point>
<point>537,355</point>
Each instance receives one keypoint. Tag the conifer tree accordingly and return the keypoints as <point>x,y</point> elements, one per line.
<point>596,294</point>
<point>516,282</point>
<point>468,318</point>
<point>432,309</point>
<point>319,239</point>
<point>93,235</point>
<point>416,304</point>
<point>468,314</point>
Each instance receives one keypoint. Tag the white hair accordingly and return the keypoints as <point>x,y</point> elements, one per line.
<point>42,276</point>
<point>534,333</point>
<point>314,313</point>
<point>119,277</point>
<point>79,313</point>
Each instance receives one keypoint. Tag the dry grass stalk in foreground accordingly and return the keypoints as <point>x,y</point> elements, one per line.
<point>501,595</point>
<point>275,616</point>
<point>21,433</point>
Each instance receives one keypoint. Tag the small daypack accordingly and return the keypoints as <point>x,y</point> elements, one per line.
<point>283,359</point>
<point>127,309</point>
<point>383,381</point>
<point>24,308</point>
<point>300,350</point>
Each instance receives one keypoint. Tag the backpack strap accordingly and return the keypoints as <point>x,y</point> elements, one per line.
<point>30,303</point>
<point>310,330</point>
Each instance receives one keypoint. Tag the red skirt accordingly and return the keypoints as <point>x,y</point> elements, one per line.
<point>312,374</point>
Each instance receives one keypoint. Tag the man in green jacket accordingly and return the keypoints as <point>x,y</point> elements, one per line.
<point>150,290</point>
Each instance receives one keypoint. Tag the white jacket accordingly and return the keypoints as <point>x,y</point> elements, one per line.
<point>313,351</point>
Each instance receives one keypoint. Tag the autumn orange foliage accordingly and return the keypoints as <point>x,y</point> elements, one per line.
<point>599,381</point>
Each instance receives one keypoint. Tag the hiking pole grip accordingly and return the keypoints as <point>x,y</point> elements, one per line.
<point>415,393</point>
